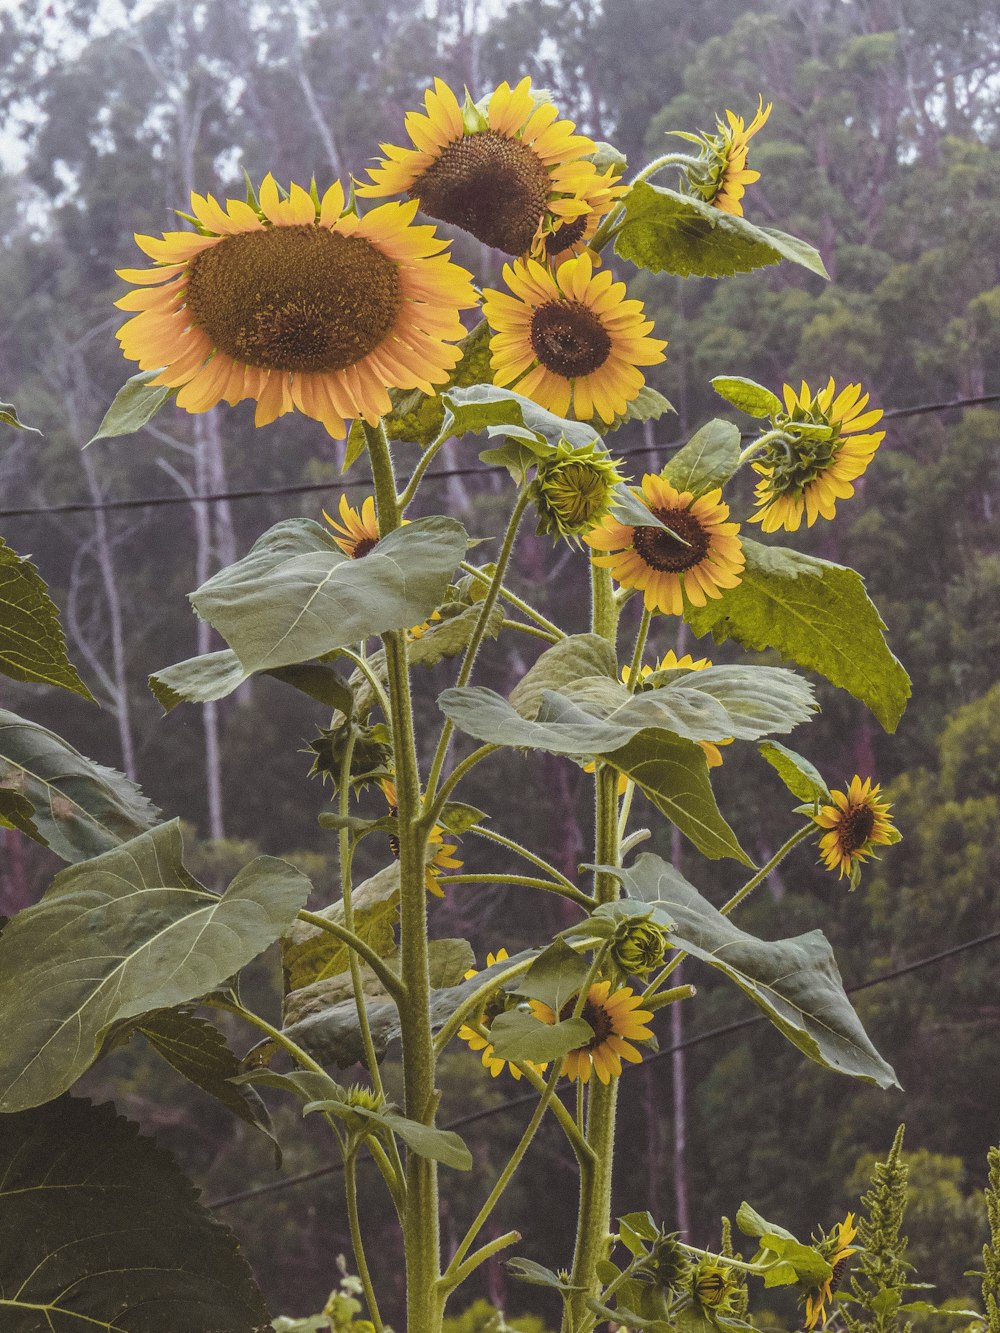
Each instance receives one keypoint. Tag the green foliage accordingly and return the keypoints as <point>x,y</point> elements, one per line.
<point>708,459</point>
<point>135,403</point>
<point>800,776</point>
<point>32,644</point>
<point>9,417</point>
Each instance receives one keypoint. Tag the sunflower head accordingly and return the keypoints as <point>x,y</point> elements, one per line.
<point>715,1287</point>
<point>506,169</point>
<point>836,1248</point>
<point>498,1003</point>
<point>570,340</point>
<point>614,1016</point>
<point>720,176</point>
<point>667,1264</point>
<point>855,824</point>
<point>639,947</point>
<point>694,556</point>
<point>358,528</point>
<point>825,444</point>
<point>294,301</point>
<point>371,754</point>
<point>573,488</point>
<point>565,239</point>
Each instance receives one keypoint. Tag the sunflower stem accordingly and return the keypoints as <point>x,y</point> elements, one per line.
<point>762,441</point>
<point>521,881</point>
<point>354,1222</point>
<point>524,607</point>
<point>640,644</point>
<point>798,836</point>
<point>512,845</point>
<point>357,945</point>
<point>534,630</point>
<point>432,811</point>
<point>405,497</point>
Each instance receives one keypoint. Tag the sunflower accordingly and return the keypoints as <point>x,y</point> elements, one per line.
<point>836,1249</point>
<point>496,1005</point>
<point>721,176</point>
<point>613,1016</point>
<point>857,823</point>
<point>506,170</point>
<point>670,573</point>
<point>671,662</point>
<point>569,337</point>
<point>442,858</point>
<point>359,528</point>
<point>296,304</point>
<point>807,475</point>
<point>566,239</point>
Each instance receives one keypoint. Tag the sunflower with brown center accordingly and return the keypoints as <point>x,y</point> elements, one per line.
<point>570,338</point>
<point>507,170</point>
<point>615,1017</point>
<point>721,177</point>
<point>439,852</point>
<point>836,1250</point>
<point>706,559</point>
<point>358,528</point>
<point>496,1005</point>
<point>803,476</point>
<point>566,239</point>
<point>296,304</point>
<point>857,822</point>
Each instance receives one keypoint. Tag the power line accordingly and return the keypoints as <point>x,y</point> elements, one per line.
<point>710,1035</point>
<point>306,488</point>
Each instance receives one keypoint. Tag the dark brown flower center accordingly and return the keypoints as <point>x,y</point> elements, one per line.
<point>362,546</point>
<point>298,298</point>
<point>566,235</point>
<point>855,827</point>
<point>662,551</point>
<point>598,1018</point>
<point>490,185</point>
<point>569,339</point>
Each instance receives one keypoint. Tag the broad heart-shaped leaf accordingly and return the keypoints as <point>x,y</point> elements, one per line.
<point>801,777</point>
<point>9,417</point>
<point>555,976</point>
<point>216,676</point>
<point>795,981</point>
<point>814,613</point>
<point>296,595</point>
<point>486,407</point>
<point>32,644</point>
<point>309,953</point>
<point>100,1232</point>
<point>519,1035</point>
<point>668,232</point>
<point>747,395</point>
<point>135,403</point>
<point>123,935</point>
<point>707,461</point>
<point>577,657</point>
<point>80,807</point>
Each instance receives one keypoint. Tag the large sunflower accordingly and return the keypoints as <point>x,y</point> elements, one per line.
<point>721,176</point>
<point>495,1006</point>
<point>670,573</point>
<point>570,337</point>
<point>857,822</point>
<point>296,304</point>
<point>614,1016</point>
<point>508,170</point>
<point>805,475</point>
<point>836,1249</point>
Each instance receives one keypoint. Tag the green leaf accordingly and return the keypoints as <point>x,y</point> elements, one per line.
<point>800,777</point>
<point>537,1275</point>
<point>577,657</point>
<point>747,395</point>
<point>296,596</point>
<point>32,644</point>
<point>798,1262</point>
<point>217,675</point>
<point>517,1035</point>
<point>640,1228</point>
<point>120,936</point>
<point>135,403</point>
<point>457,817</point>
<point>17,812</point>
<point>80,807</point>
<point>309,953</point>
<point>9,417</point>
<point>708,459</point>
<point>486,407</point>
<point>648,405</point>
<point>100,1231</point>
<point>795,981</point>
<point>439,1145</point>
<point>668,232</point>
<point>672,773</point>
<point>628,508</point>
<point>816,614</point>
<point>555,977</point>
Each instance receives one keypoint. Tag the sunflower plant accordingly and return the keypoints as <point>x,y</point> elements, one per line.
<point>356,316</point>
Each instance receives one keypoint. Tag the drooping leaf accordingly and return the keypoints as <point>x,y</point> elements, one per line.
<point>217,675</point>
<point>9,417</point>
<point>439,1145</point>
<point>487,407</point>
<point>815,613</point>
<point>795,981</point>
<point>517,1035</point>
<point>309,953</point>
<point>296,596</point>
<point>707,461</point>
<point>668,232</point>
<point>123,935</point>
<point>526,1270</point>
<point>747,395</point>
<point>32,644</point>
<point>100,1231</point>
<point>135,403</point>
<point>80,807</point>
<point>801,777</point>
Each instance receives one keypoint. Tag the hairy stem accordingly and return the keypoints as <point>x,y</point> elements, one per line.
<point>354,1222</point>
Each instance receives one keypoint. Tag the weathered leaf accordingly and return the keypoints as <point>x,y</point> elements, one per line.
<point>123,935</point>
<point>707,461</point>
<point>816,614</point>
<point>648,405</point>
<point>296,596</point>
<point>80,807</point>
<point>800,777</point>
<point>795,981</point>
<point>487,407</point>
<point>9,417</point>
<point>309,953</point>
<point>32,644</point>
<point>668,232</point>
<point>747,395</point>
<point>135,403</point>
<point>518,1035</point>
<point>100,1231</point>
<point>217,675</point>
<point>17,812</point>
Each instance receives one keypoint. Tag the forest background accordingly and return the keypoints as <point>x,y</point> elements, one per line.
<point>883,150</point>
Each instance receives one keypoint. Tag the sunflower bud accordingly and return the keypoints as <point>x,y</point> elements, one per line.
<point>639,947</point>
<point>365,1099</point>
<point>573,488</point>
<point>667,1264</point>
<point>714,1286</point>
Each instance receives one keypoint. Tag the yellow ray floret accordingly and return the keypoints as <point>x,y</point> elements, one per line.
<point>439,853</point>
<point>495,1006</point>
<point>856,823</point>
<point>358,528</point>
<point>617,1020</point>
<point>720,176</point>
<point>296,304</point>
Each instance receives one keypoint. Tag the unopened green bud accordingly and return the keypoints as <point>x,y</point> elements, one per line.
<point>667,1265</point>
<point>714,1286</point>
<point>640,947</point>
<point>573,489</point>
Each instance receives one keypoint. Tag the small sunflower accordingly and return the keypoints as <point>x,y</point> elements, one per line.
<point>507,170</point>
<point>442,858</point>
<point>570,337</point>
<point>614,1016</point>
<point>496,1005</point>
<point>836,1249</point>
<point>721,176</point>
<point>574,486</point>
<point>805,475</point>
<point>671,662</point>
<point>857,823</point>
<point>669,572</point>
<point>570,238</point>
<point>296,304</point>
<point>358,528</point>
